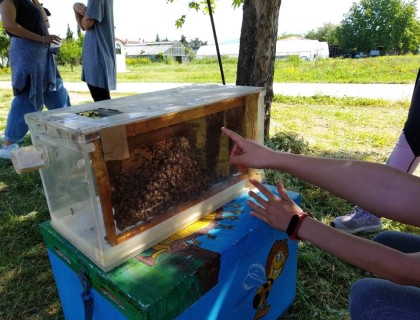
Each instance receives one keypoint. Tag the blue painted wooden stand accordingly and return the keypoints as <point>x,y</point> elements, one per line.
<point>229,265</point>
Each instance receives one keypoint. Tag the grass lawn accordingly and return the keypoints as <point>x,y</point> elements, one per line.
<point>323,126</point>
<point>362,129</point>
<point>389,69</point>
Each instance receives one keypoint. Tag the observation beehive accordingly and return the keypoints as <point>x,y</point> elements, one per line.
<point>123,174</point>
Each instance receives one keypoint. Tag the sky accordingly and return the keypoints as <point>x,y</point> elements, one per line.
<point>145,19</point>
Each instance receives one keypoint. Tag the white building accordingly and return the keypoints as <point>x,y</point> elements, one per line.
<point>155,50</point>
<point>120,55</point>
<point>304,48</point>
<point>230,50</point>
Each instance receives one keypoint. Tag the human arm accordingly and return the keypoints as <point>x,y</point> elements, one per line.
<point>8,17</point>
<point>79,12</point>
<point>88,22</point>
<point>399,267</point>
<point>378,188</point>
<point>85,22</point>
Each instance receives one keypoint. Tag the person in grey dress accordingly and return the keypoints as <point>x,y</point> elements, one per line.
<point>98,55</point>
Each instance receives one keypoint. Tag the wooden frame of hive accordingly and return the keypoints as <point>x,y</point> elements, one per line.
<point>253,113</point>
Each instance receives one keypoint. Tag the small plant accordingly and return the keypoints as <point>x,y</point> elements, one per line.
<point>6,71</point>
<point>295,60</point>
<point>137,61</point>
<point>288,142</point>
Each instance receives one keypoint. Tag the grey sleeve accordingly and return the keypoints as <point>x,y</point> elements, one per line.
<point>95,9</point>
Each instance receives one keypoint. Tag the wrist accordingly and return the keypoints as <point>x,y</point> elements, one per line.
<point>295,223</point>
<point>270,159</point>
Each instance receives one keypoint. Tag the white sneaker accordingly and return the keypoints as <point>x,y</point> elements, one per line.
<point>359,220</point>
<point>5,150</point>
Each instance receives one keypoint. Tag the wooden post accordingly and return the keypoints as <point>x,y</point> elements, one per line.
<point>104,190</point>
<point>255,126</point>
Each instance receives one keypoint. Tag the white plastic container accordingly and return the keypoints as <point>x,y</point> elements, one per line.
<point>123,174</point>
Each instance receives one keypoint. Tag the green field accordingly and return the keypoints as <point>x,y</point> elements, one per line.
<point>322,126</point>
<point>388,69</point>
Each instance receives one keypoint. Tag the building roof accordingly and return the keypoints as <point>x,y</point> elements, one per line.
<point>149,48</point>
<point>290,46</point>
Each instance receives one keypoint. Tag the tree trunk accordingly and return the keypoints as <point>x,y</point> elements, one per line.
<point>257,50</point>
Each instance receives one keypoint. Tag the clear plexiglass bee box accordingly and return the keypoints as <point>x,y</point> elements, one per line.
<point>123,174</point>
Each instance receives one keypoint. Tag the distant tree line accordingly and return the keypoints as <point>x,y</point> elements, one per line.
<point>193,44</point>
<point>70,52</point>
<point>388,25</point>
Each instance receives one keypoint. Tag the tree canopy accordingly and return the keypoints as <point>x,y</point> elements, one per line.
<point>326,33</point>
<point>390,25</point>
<point>69,33</point>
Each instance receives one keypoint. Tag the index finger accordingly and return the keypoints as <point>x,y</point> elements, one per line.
<point>231,134</point>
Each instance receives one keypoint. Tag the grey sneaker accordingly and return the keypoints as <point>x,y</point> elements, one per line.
<point>5,150</point>
<point>358,220</point>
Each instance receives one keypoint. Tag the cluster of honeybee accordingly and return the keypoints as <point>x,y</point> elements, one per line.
<point>166,174</point>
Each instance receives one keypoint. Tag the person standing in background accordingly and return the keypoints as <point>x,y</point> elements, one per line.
<point>35,78</point>
<point>98,55</point>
